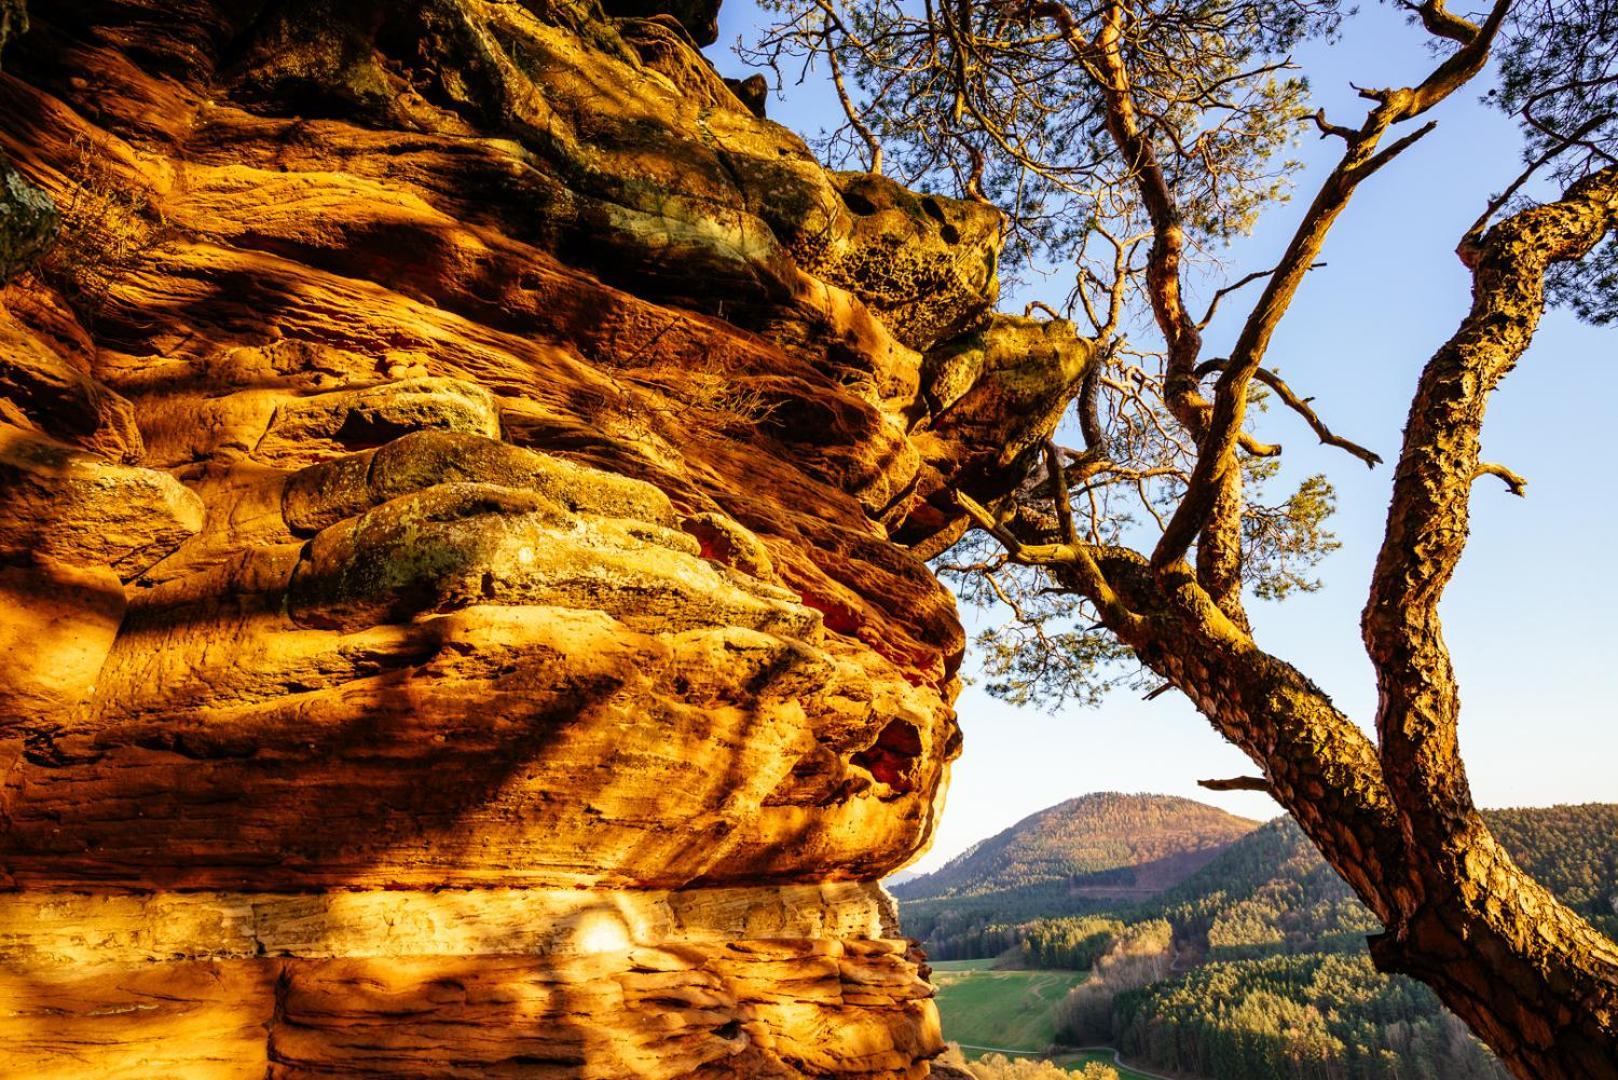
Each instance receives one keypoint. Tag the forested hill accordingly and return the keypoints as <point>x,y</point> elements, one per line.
<point>1272,888</point>
<point>1267,890</point>
<point>1275,980</point>
<point>1100,845</point>
<point>1572,850</point>
<point>1254,967</point>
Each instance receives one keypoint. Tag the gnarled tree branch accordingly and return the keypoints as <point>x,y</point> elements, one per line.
<point>1237,783</point>
<point>1456,886</point>
<point>1515,483</point>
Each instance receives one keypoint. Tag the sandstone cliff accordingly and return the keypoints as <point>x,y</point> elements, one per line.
<point>452,462</point>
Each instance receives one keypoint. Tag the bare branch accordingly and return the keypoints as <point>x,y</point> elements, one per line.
<point>1302,407</point>
<point>1238,783</point>
<point>1391,151</point>
<point>1076,558</point>
<point>1515,483</point>
<point>1059,495</point>
<point>1213,305</point>
<point>1440,22</point>
<point>1328,129</point>
<point>873,147</point>
<point>1216,470</point>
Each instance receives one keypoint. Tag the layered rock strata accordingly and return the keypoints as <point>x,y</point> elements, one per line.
<point>452,455</point>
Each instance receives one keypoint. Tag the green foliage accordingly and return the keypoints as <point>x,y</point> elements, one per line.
<point>1141,955</point>
<point>1272,893</point>
<point>1089,127</point>
<point>1269,893</point>
<point>1050,651</point>
<point>1075,942</point>
<point>1070,942</point>
<point>1029,888</point>
<point>1588,287</point>
<point>973,99</point>
<point>1045,664</point>
<point>1558,62</point>
<point>1000,1067</point>
<point>1047,647</point>
<point>1285,987</point>
<point>1572,850</point>
<point>1325,1016</point>
<point>1282,543</point>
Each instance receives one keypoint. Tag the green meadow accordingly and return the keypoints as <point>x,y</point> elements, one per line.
<point>1001,1010</point>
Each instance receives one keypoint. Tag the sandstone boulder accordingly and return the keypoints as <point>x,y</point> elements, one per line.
<point>460,611</point>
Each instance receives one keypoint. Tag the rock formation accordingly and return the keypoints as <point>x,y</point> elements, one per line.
<point>452,454</point>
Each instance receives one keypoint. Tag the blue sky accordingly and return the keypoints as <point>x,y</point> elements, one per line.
<point>1529,618</point>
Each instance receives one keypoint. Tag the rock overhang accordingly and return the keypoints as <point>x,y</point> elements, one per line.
<point>524,427</point>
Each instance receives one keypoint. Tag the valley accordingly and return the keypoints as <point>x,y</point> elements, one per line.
<point>1225,948</point>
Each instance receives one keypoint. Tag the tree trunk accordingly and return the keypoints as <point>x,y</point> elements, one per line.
<point>1395,818</point>
<point>1536,982</point>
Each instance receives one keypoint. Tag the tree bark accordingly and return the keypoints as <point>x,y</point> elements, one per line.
<point>1532,979</point>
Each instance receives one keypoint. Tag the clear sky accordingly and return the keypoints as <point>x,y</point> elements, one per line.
<point>1529,617</point>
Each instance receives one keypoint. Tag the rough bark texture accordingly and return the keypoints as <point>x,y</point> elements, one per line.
<point>449,463</point>
<point>1543,987</point>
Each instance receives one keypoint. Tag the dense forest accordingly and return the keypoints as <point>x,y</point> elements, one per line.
<point>1255,965</point>
<point>1316,1016</point>
<point>1268,891</point>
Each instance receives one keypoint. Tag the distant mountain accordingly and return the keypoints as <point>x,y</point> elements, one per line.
<point>1103,846</point>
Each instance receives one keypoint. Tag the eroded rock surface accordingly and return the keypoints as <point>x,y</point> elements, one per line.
<point>453,463</point>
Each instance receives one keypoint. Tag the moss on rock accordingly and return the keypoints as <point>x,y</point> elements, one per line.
<point>28,221</point>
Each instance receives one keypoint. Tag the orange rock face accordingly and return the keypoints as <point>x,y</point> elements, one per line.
<point>452,464</point>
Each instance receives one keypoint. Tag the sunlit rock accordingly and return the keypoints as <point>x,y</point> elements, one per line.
<point>453,614</point>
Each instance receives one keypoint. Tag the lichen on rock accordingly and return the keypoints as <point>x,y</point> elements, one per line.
<point>13,20</point>
<point>28,222</point>
<point>459,595</point>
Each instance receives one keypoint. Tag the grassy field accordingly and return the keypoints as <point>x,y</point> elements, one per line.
<point>963,965</point>
<point>1006,1009</point>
